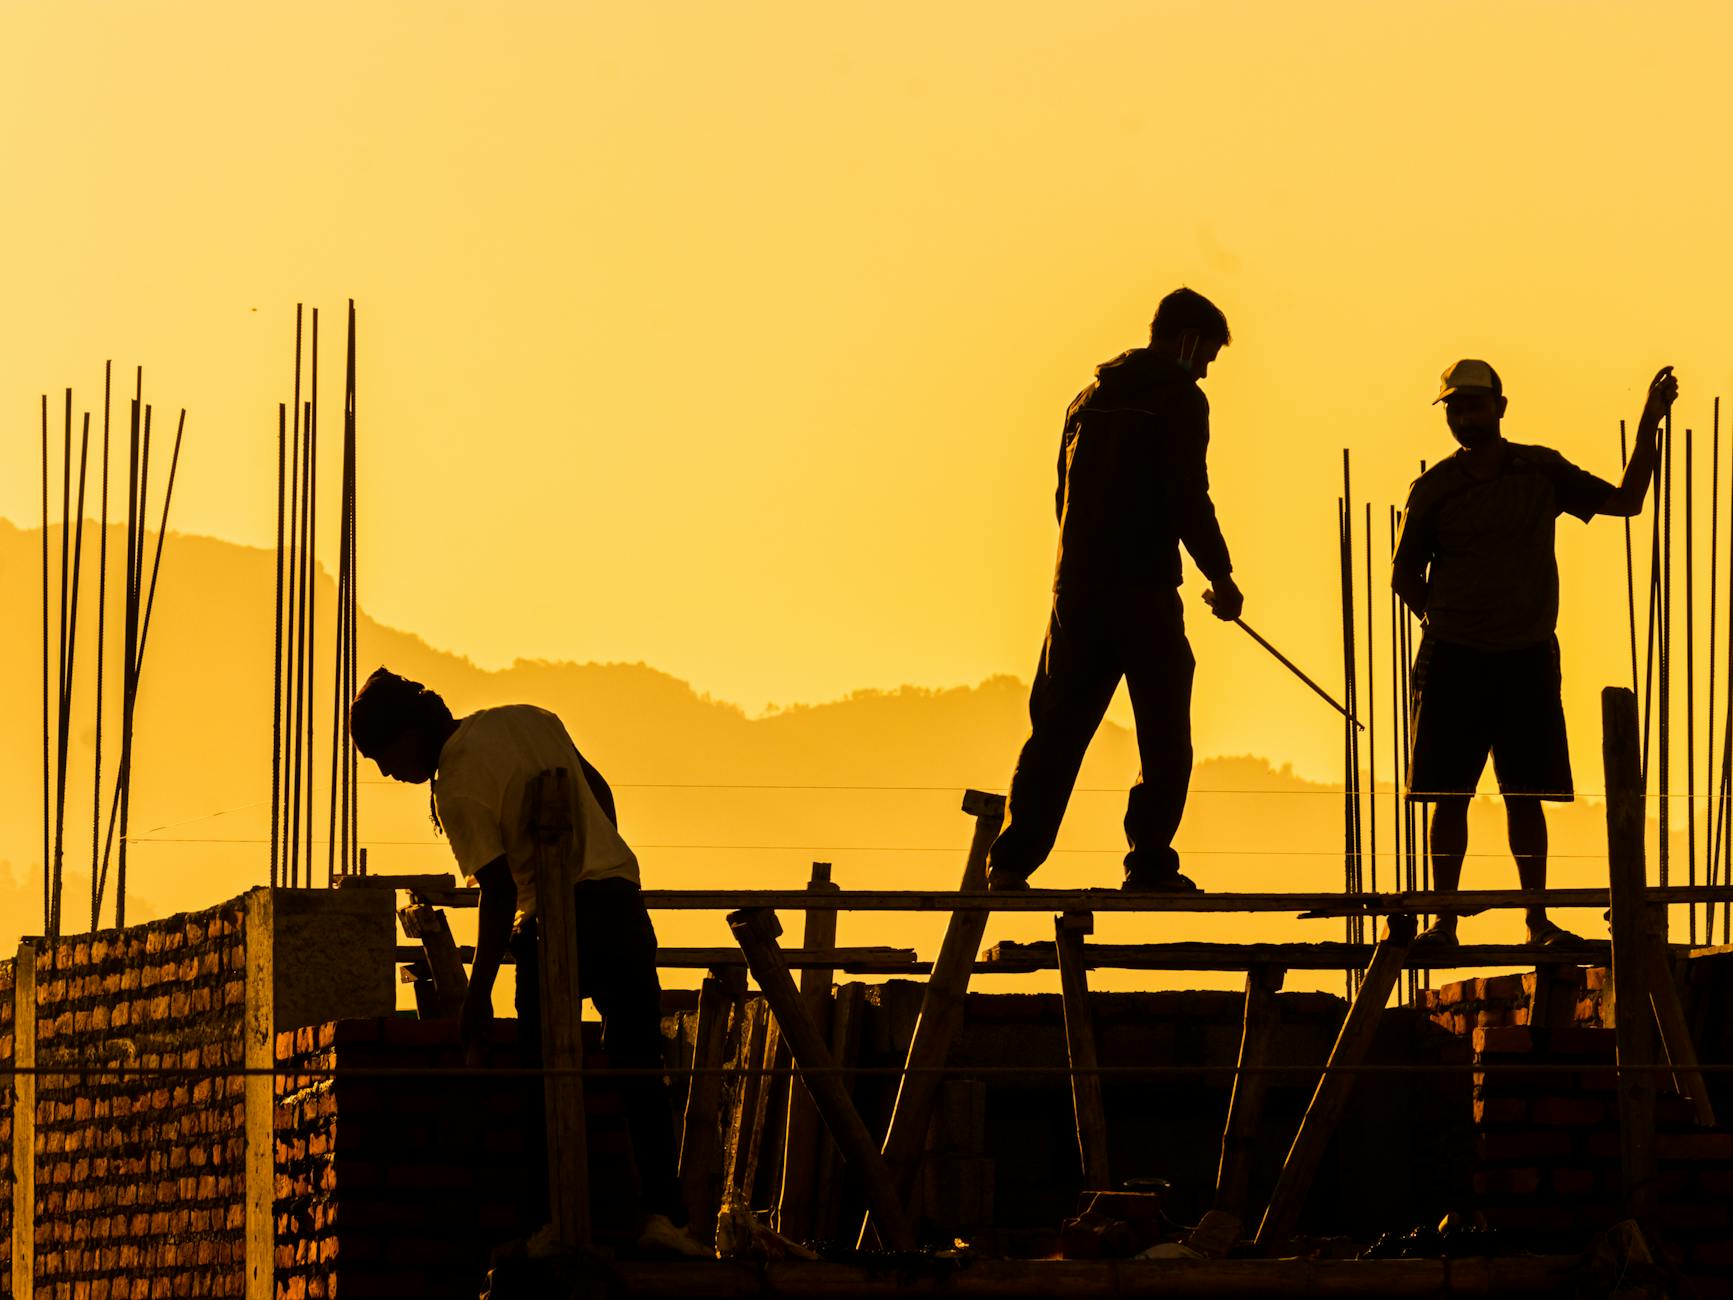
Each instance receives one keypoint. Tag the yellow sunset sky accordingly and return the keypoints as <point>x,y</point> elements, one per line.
<point>735,338</point>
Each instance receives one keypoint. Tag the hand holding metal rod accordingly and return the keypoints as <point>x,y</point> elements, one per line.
<point>1290,665</point>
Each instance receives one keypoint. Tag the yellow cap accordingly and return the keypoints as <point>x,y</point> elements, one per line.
<point>1469,375</point>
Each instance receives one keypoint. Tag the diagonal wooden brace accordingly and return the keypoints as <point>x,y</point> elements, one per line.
<point>941,1010</point>
<point>757,930</point>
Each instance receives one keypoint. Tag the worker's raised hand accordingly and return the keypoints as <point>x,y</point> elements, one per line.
<point>1225,599</point>
<point>1663,389</point>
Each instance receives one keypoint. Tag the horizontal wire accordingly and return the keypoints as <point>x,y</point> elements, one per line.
<point>862,848</point>
<point>122,1073</point>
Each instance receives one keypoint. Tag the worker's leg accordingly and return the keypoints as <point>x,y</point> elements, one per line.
<point>1158,674</point>
<point>1453,720</point>
<point>617,971</point>
<point>1527,825</point>
<point>1531,754</point>
<point>1074,683</point>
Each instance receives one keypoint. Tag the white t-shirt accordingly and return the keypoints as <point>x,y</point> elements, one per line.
<point>484,770</point>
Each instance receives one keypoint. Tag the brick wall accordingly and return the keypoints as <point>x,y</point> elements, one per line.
<point>8,1091</point>
<point>402,1186</point>
<point>140,1180</point>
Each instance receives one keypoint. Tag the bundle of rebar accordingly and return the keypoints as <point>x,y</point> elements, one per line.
<point>294,679</point>
<point>58,696</point>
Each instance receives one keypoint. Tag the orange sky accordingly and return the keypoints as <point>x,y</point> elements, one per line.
<point>749,327</point>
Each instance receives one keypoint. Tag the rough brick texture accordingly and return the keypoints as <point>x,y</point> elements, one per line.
<point>7,1093</point>
<point>392,1186</point>
<point>139,1180</point>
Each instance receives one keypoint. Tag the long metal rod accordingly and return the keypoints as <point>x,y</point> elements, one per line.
<point>101,662</point>
<point>1630,573</point>
<point>47,698</point>
<point>1690,695</point>
<point>312,575</point>
<point>1711,813</point>
<point>1292,667</point>
<point>1371,718</point>
<point>69,656</point>
<point>297,547</point>
<point>1664,731</point>
<point>277,659</point>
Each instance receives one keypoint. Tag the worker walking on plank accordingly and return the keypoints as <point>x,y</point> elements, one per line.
<point>481,767</point>
<point>1133,486</point>
<point>1475,561</point>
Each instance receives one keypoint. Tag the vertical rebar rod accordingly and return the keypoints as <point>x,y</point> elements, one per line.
<point>51,922</point>
<point>1690,698</point>
<point>47,698</point>
<point>122,794</point>
<point>312,573</point>
<point>277,658</point>
<point>101,661</point>
<point>1630,573</point>
<point>1651,649</point>
<point>70,657</point>
<point>1663,734</point>
<point>1371,718</point>
<point>358,857</point>
<point>1398,722</point>
<point>298,521</point>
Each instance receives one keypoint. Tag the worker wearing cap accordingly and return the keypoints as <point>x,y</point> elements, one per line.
<point>1133,487</point>
<point>1475,561</point>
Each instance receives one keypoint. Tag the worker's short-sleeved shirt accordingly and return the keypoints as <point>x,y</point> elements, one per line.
<point>480,787</point>
<point>1493,583</point>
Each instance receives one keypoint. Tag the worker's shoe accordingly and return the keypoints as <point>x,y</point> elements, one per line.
<point>660,1236</point>
<point>1002,880</point>
<point>1440,936</point>
<point>1168,882</point>
<point>1550,935</point>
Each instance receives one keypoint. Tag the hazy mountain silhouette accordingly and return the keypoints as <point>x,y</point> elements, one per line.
<point>710,796</point>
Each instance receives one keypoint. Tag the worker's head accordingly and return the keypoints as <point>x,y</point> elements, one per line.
<point>400,725</point>
<point>1189,329</point>
<point>1473,397</point>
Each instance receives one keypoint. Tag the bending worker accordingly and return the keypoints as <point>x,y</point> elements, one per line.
<point>480,767</point>
<point>1475,561</point>
<point>1133,486</point>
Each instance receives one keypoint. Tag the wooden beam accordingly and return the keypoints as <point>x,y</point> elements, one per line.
<point>941,1013</point>
<point>1251,1086</point>
<point>1465,902</point>
<point>259,1091</point>
<point>700,1140</point>
<point>1010,957</point>
<point>802,1125</point>
<point>876,959</point>
<point>1633,1024</point>
<point>428,924</point>
<point>556,830</point>
<point>1086,1102</point>
<point>1676,1033</point>
<point>757,930</point>
<point>847,1017</point>
<point>752,1023</point>
<point>1336,1086</point>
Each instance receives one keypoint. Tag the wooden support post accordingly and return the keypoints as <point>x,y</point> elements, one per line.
<point>557,834</point>
<point>1251,1086</point>
<point>757,930</point>
<point>700,1139</point>
<point>845,1032</point>
<point>1634,1026</point>
<point>1676,1033</point>
<point>1337,1084</point>
<point>24,1130</point>
<point>759,1122</point>
<point>941,1010</point>
<point>259,1091</point>
<point>752,1020</point>
<point>794,1204</point>
<point>1086,1102</point>
<point>428,924</point>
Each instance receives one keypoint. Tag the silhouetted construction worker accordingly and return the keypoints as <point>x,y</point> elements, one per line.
<point>1475,560</point>
<point>481,767</point>
<point>1133,486</point>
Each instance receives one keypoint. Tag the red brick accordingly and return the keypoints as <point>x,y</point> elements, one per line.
<point>1572,1182</point>
<point>1502,1147</point>
<point>1507,1182</point>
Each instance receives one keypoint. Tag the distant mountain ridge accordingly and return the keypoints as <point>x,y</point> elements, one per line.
<point>708,795</point>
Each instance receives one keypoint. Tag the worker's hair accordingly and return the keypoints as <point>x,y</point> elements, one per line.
<point>1187,309</point>
<point>388,705</point>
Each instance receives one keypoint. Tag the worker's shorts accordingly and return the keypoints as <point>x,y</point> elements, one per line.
<point>1467,703</point>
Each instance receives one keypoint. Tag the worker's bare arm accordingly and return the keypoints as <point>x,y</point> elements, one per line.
<point>1627,499</point>
<point>498,904</point>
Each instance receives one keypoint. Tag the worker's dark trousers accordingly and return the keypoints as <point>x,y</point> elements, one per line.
<point>616,971</point>
<point>1093,640</point>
